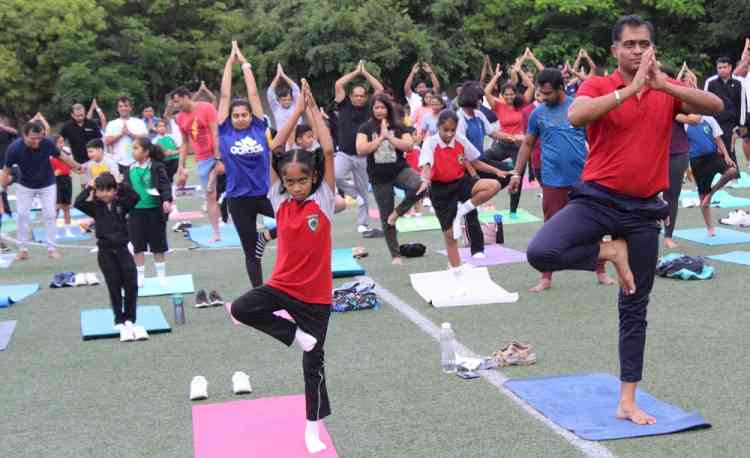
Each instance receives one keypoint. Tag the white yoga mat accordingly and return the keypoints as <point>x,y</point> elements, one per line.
<point>469,287</point>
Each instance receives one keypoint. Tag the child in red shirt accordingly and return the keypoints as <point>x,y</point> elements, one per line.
<point>63,180</point>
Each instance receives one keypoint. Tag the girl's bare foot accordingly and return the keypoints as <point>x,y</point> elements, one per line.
<point>397,261</point>
<point>604,279</point>
<point>215,238</point>
<point>711,231</point>
<point>670,243</point>
<point>392,218</point>
<point>634,413</point>
<point>616,252</point>
<point>544,283</point>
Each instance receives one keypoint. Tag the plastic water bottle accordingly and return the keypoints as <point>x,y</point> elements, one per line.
<point>179,308</point>
<point>447,349</point>
<point>499,236</point>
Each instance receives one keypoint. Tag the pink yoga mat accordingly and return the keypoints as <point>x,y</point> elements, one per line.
<point>496,254</point>
<point>530,184</point>
<point>268,427</point>
<point>183,216</point>
<point>374,213</point>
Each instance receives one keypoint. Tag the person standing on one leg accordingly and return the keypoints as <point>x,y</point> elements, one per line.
<point>32,156</point>
<point>301,192</point>
<point>629,117</point>
<point>728,88</point>
<point>563,158</point>
<point>353,113</point>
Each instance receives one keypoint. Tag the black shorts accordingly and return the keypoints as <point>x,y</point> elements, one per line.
<point>64,189</point>
<point>148,230</point>
<point>446,197</point>
<point>172,167</point>
<point>704,168</point>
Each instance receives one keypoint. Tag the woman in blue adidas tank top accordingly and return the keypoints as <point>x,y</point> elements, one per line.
<point>245,158</point>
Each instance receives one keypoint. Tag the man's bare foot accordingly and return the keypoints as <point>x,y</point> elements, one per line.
<point>711,231</point>
<point>22,255</point>
<point>392,218</point>
<point>544,283</point>
<point>616,252</point>
<point>397,261</point>
<point>633,413</point>
<point>670,243</point>
<point>215,238</point>
<point>604,279</point>
<point>54,254</point>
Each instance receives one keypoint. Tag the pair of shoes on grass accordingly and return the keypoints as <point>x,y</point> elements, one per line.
<point>514,354</point>
<point>130,332</point>
<point>199,386</point>
<point>212,299</point>
<point>86,278</point>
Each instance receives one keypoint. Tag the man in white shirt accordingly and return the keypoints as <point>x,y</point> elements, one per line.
<point>121,132</point>
<point>415,94</point>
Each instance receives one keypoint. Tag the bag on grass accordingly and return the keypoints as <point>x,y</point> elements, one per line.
<point>683,267</point>
<point>412,250</point>
<point>355,296</point>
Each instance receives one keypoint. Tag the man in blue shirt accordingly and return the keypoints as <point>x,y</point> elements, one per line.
<point>563,154</point>
<point>31,154</point>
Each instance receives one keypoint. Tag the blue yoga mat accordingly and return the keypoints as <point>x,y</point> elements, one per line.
<point>202,234</point>
<point>722,199</point>
<point>722,237</point>
<point>585,404</point>
<point>10,294</point>
<point>736,257</point>
<point>176,284</point>
<point>343,263</point>
<point>70,234</point>
<point>269,223</point>
<point>6,331</point>
<point>100,323</point>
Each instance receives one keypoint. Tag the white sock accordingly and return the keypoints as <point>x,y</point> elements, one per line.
<point>312,438</point>
<point>161,269</point>
<point>304,340</point>
<point>465,208</point>
<point>141,272</point>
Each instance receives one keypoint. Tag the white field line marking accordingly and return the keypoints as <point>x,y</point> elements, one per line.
<point>494,377</point>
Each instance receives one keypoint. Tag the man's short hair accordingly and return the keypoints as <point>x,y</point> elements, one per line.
<point>724,60</point>
<point>301,130</point>
<point>551,76</point>
<point>123,99</point>
<point>364,89</point>
<point>283,91</point>
<point>35,127</point>
<point>181,91</point>
<point>95,143</point>
<point>77,106</point>
<point>632,21</point>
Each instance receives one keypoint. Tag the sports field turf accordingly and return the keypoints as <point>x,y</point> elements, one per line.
<point>65,397</point>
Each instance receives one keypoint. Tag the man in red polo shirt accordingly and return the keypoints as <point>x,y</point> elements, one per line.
<point>629,120</point>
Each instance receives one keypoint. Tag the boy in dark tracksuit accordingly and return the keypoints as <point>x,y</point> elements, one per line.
<point>109,203</point>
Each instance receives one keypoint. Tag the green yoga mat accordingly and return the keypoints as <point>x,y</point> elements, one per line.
<point>431,223</point>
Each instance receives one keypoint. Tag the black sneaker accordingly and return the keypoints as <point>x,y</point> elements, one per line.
<point>201,300</point>
<point>4,248</point>
<point>373,233</point>
<point>182,226</point>
<point>215,299</point>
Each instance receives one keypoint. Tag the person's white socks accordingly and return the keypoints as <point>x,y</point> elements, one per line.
<point>304,340</point>
<point>312,438</point>
<point>141,274</point>
<point>465,208</point>
<point>161,269</point>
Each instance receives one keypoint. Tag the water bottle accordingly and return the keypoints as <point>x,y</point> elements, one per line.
<point>179,309</point>
<point>447,349</point>
<point>499,236</point>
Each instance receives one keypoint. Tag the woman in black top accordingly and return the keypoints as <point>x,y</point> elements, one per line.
<point>384,139</point>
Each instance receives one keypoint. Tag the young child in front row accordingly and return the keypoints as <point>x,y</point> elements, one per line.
<point>301,193</point>
<point>148,220</point>
<point>64,181</point>
<point>109,203</point>
<point>444,160</point>
<point>98,162</point>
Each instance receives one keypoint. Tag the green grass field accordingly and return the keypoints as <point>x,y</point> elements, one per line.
<point>63,397</point>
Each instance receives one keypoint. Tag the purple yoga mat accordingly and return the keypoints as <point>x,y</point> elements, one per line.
<point>6,330</point>
<point>496,254</point>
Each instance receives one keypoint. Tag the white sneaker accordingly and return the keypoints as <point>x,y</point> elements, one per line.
<point>94,250</point>
<point>735,218</point>
<point>139,333</point>
<point>126,333</point>
<point>140,281</point>
<point>80,279</point>
<point>199,388</point>
<point>427,202</point>
<point>479,255</point>
<point>362,228</point>
<point>92,279</point>
<point>457,225</point>
<point>360,201</point>
<point>241,383</point>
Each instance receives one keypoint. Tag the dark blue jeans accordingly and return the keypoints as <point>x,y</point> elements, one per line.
<point>570,241</point>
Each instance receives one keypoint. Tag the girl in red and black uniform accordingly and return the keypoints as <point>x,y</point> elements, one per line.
<point>454,193</point>
<point>302,196</point>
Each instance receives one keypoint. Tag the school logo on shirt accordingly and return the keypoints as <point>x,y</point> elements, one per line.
<point>246,145</point>
<point>313,222</point>
<point>460,158</point>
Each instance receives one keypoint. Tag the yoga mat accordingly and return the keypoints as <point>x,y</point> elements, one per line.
<point>73,222</point>
<point>100,323</point>
<point>495,255</point>
<point>743,182</point>
<point>6,331</point>
<point>471,286</point>
<point>201,234</point>
<point>735,257</point>
<point>522,217</point>
<point>77,214</point>
<point>585,404</point>
<point>70,234</point>
<point>374,213</point>
<point>269,223</point>
<point>722,199</point>
<point>530,184</point>
<point>6,260</point>
<point>9,224</point>
<point>418,223</point>
<point>10,294</point>
<point>184,216</point>
<point>176,284</point>
<point>723,236</point>
<point>343,263</point>
<point>266,427</point>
